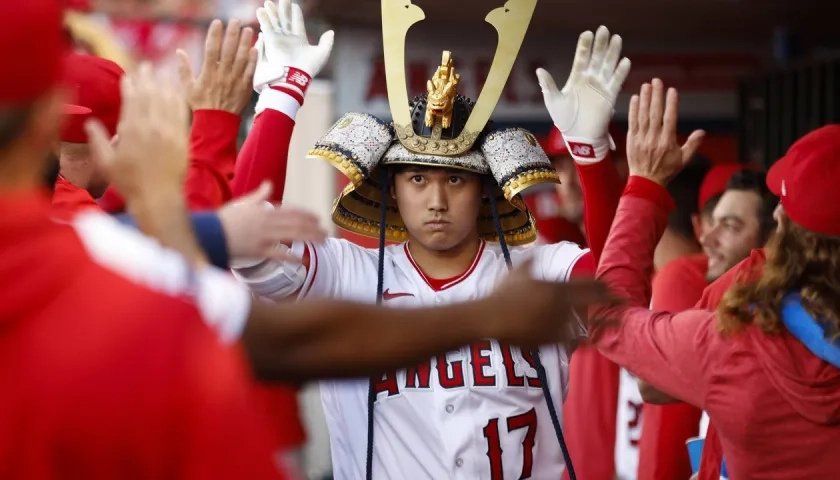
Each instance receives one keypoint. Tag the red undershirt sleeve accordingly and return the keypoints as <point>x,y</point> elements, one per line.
<point>601,186</point>
<point>213,138</point>
<point>265,154</point>
<point>590,408</point>
<point>664,348</point>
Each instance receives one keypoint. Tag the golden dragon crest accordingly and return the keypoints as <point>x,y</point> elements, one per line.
<point>442,89</point>
<point>511,23</point>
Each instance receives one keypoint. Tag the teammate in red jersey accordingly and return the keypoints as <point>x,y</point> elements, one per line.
<point>107,365</point>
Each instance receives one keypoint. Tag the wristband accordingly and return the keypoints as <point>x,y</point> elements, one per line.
<point>279,99</point>
<point>586,150</point>
<point>295,79</point>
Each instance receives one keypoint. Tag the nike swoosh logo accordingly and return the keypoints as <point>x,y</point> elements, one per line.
<point>387,295</point>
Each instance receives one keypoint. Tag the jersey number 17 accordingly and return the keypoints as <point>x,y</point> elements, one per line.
<point>526,421</point>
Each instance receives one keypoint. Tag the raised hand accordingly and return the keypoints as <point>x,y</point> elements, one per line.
<point>148,162</point>
<point>582,110</point>
<point>534,312</point>
<point>225,81</point>
<point>255,230</point>
<point>653,151</point>
<point>150,156</point>
<point>286,58</point>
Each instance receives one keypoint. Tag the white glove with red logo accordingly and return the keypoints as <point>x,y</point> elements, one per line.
<point>286,61</point>
<point>582,110</point>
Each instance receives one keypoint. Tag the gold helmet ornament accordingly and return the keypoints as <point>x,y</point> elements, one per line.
<point>438,128</point>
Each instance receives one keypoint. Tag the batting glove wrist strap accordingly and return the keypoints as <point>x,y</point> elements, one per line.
<point>587,150</point>
<point>280,99</point>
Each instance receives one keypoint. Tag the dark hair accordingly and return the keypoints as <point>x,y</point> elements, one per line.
<point>756,181</point>
<point>685,189</point>
<point>52,171</point>
<point>709,206</point>
<point>12,123</point>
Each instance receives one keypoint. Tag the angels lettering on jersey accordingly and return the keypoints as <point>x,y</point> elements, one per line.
<point>486,364</point>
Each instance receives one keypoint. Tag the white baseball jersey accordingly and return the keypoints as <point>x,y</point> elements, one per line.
<point>474,413</point>
<point>628,430</point>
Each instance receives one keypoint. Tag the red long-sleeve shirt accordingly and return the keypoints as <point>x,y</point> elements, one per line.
<point>750,267</point>
<point>589,412</point>
<point>213,146</point>
<point>213,142</point>
<point>665,428</point>
<point>264,156</point>
<point>68,199</point>
<point>126,383</point>
<point>773,402</point>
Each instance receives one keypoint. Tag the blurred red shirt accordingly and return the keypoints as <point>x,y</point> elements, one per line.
<point>108,367</point>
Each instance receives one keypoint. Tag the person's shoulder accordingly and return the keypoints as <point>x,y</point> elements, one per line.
<point>132,304</point>
<point>393,250</point>
<point>568,250</point>
<point>133,271</point>
<point>129,254</point>
<point>689,268</point>
<point>756,259</point>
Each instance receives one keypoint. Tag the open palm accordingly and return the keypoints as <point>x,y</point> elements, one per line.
<point>283,43</point>
<point>585,105</point>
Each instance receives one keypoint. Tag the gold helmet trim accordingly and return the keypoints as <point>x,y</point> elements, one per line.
<point>511,23</point>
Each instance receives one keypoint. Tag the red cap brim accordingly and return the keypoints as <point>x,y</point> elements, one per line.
<point>777,174</point>
<point>69,109</point>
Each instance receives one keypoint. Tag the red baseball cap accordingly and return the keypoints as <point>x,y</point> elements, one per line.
<point>716,179</point>
<point>73,123</point>
<point>96,84</point>
<point>805,180</point>
<point>32,45</point>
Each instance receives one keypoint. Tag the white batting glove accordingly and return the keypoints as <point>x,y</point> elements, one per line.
<point>582,110</point>
<point>286,60</point>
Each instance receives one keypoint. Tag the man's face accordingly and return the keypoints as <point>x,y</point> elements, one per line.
<point>77,156</point>
<point>439,206</point>
<point>736,230</point>
<point>571,196</point>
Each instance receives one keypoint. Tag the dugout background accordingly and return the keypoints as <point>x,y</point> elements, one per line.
<point>780,105</point>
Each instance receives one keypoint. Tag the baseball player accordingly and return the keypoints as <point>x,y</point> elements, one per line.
<point>445,187</point>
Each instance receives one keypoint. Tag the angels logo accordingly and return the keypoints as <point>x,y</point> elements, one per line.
<point>582,150</point>
<point>483,364</point>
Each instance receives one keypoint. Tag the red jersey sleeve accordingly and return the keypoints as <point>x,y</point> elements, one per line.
<point>668,350</point>
<point>213,138</point>
<point>601,186</point>
<point>265,154</point>
<point>590,408</point>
